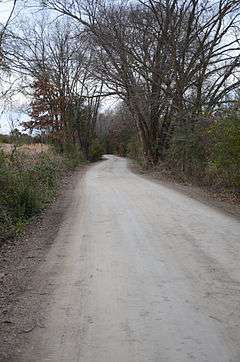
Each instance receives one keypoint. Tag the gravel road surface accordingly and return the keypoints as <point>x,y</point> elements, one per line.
<point>139,273</point>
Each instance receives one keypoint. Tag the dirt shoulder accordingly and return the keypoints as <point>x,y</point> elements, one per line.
<point>224,202</point>
<point>19,260</point>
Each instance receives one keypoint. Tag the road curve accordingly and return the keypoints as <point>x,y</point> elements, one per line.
<point>141,273</point>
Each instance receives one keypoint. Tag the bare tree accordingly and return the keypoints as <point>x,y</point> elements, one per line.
<point>170,61</point>
<point>4,27</point>
<point>55,63</point>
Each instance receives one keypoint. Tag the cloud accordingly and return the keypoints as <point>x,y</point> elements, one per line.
<point>10,120</point>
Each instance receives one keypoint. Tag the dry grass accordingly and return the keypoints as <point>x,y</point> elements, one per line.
<point>32,149</point>
<point>36,148</point>
<point>6,147</point>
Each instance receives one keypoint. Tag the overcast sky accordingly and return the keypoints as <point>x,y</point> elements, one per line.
<point>13,118</point>
<point>5,7</point>
<point>9,118</point>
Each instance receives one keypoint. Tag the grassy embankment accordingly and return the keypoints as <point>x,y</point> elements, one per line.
<point>29,178</point>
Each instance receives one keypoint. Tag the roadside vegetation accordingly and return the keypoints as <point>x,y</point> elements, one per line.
<point>30,174</point>
<point>206,155</point>
<point>29,180</point>
<point>172,67</point>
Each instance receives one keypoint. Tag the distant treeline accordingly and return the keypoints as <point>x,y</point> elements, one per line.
<point>207,153</point>
<point>172,65</point>
<point>17,137</point>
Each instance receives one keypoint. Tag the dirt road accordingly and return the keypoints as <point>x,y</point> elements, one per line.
<point>140,273</point>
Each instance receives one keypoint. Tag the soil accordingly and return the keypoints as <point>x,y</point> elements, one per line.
<point>19,259</point>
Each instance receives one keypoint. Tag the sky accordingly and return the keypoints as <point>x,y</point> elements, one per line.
<point>5,9</point>
<point>8,119</point>
<point>13,118</point>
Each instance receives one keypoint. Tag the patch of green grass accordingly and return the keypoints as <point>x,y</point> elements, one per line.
<point>27,183</point>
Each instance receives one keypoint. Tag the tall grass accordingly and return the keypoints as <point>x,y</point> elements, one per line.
<point>27,184</point>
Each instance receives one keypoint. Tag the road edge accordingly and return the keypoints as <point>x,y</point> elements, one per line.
<point>202,195</point>
<point>19,260</point>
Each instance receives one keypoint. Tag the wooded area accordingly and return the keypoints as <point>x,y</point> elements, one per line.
<point>119,180</point>
<point>171,65</point>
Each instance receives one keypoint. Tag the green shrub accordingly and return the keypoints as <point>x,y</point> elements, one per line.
<point>7,227</point>
<point>187,152</point>
<point>27,184</point>
<point>23,197</point>
<point>224,159</point>
<point>96,151</point>
<point>47,170</point>
<point>135,150</point>
<point>73,157</point>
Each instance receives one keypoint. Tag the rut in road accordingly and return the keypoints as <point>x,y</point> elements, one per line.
<point>141,273</point>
